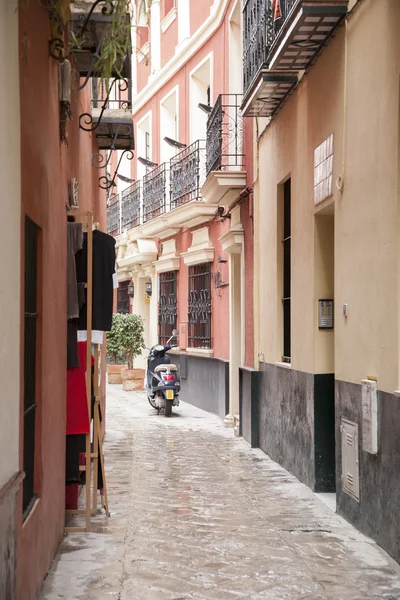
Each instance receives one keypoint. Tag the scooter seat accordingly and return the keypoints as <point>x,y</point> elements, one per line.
<point>160,368</point>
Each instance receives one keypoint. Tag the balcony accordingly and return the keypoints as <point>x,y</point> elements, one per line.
<point>114,216</point>
<point>280,42</point>
<point>111,118</point>
<point>225,163</point>
<point>187,174</point>
<point>130,206</point>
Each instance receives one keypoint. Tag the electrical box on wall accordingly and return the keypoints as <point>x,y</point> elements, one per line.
<point>369,399</point>
<point>325,314</point>
<point>73,193</point>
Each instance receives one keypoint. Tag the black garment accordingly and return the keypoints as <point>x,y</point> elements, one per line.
<point>103,270</point>
<point>72,344</point>
<point>75,444</point>
<point>72,333</point>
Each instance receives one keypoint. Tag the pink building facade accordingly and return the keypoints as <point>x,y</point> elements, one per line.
<point>184,226</point>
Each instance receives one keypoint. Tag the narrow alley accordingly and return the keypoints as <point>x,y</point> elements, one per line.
<point>196,514</point>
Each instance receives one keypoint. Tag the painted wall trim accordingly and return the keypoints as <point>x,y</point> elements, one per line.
<point>168,19</point>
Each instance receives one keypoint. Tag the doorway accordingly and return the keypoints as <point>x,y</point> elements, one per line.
<point>324,361</point>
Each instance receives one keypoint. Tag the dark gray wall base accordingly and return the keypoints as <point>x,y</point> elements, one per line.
<point>287,420</point>
<point>377,513</point>
<point>324,432</point>
<point>8,539</point>
<point>206,384</point>
<point>249,405</point>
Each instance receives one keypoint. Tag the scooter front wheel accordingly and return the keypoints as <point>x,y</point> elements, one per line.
<point>152,402</point>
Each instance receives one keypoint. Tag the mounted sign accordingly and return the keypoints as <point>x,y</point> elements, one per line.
<point>325,314</point>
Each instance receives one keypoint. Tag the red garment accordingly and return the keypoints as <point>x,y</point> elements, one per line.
<point>77,407</point>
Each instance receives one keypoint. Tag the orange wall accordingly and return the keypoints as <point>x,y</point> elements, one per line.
<point>46,168</point>
<point>219,297</point>
<point>199,12</point>
<point>169,41</point>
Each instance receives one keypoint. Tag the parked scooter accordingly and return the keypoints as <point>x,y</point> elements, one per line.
<point>162,378</point>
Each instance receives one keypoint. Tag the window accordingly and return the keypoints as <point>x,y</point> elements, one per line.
<point>30,354</point>
<point>147,149</point>
<point>286,299</point>
<point>200,93</point>
<point>123,297</point>
<point>168,125</point>
<point>199,315</point>
<point>167,307</point>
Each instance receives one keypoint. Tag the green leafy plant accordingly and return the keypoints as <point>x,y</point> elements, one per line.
<point>131,337</point>
<point>114,348</point>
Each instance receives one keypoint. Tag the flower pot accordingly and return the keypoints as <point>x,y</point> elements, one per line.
<point>132,379</point>
<point>114,373</point>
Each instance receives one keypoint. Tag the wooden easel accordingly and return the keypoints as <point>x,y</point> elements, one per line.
<point>87,219</point>
<point>98,442</point>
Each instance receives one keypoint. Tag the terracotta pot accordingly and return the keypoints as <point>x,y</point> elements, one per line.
<point>114,373</point>
<point>133,379</point>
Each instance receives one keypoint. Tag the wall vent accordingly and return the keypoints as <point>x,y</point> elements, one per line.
<point>350,462</point>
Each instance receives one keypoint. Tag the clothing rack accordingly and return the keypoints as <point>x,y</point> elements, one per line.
<point>87,219</point>
<point>92,453</point>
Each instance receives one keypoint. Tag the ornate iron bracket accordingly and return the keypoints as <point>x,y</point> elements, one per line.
<point>56,48</point>
<point>88,118</point>
<point>105,182</point>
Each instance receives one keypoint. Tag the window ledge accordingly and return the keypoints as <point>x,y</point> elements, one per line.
<point>143,52</point>
<point>204,352</point>
<point>168,19</point>
<point>283,365</point>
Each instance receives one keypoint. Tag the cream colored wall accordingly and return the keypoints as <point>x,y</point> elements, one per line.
<point>366,214</point>
<point>324,242</point>
<point>287,149</point>
<point>10,204</point>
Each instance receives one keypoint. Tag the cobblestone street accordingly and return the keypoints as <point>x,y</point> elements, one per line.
<point>196,514</point>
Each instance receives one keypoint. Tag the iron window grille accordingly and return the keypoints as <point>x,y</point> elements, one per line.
<point>187,174</point>
<point>123,302</point>
<point>114,216</point>
<point>199,305</point>
<point>286,300</point>
<point>225,128</point>
<point>168,305</point>
<point>130,206</point>
<point>30,355</point>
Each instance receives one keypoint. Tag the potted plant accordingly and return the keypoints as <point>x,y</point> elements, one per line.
<point>115,352</point>
<point>131,341</point>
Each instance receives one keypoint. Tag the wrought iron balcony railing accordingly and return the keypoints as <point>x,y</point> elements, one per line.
<point>187,174</point>
<point>114,216</point>
<point>130,206</point>
<point>225,125</point>
<point>257,20</point>
<point>285,35</point>
<point>155,188</point>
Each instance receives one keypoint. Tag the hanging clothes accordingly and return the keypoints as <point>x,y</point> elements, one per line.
<point>77,407</point>
<point>74,245</point>
<point>103,287</point>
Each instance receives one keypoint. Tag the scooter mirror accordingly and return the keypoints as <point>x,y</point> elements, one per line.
<point>144,346</point>
<point>175,332</point>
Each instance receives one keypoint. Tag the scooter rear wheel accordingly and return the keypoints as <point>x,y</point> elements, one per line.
<point>168,408</point>
<point>152,402</point>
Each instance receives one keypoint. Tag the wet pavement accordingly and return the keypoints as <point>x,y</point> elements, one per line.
<point>196,514</point>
